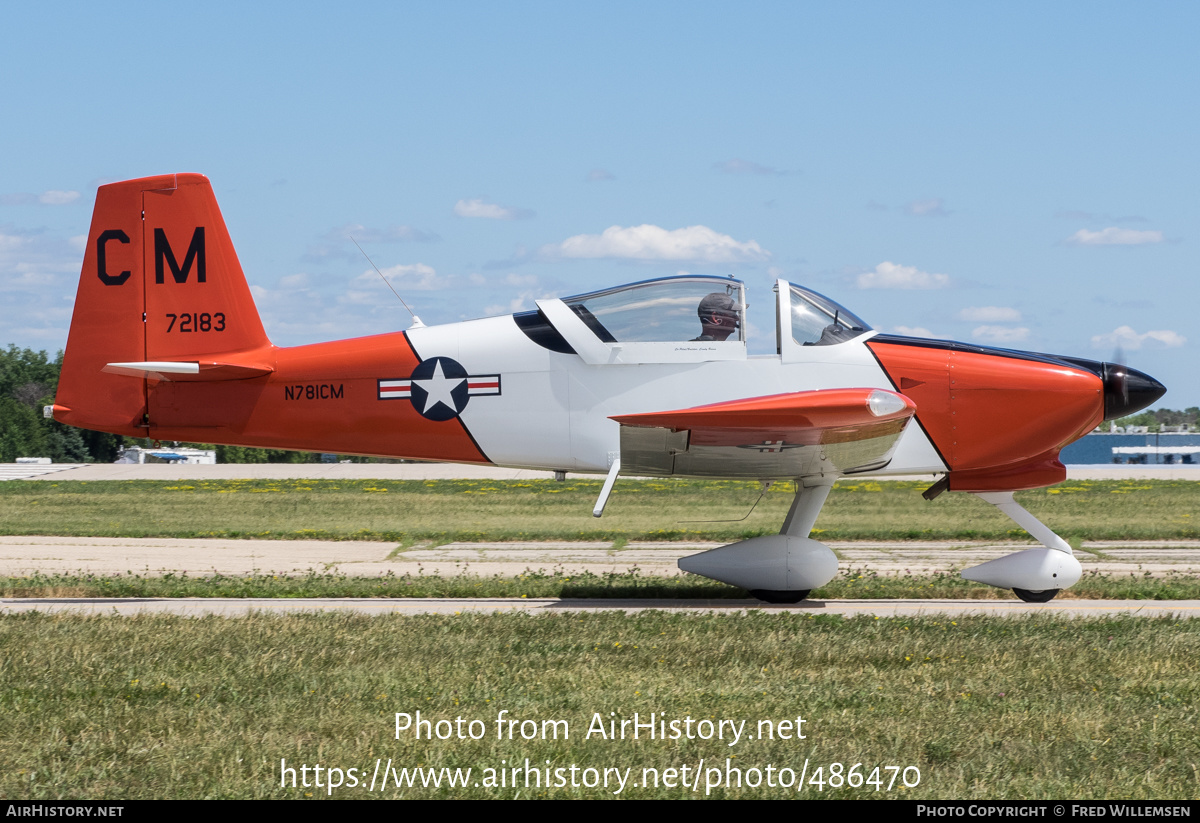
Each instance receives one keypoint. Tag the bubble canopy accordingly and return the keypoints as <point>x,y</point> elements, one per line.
<point>818,321</point>
<point>686,318</point>
<point>663,310</point>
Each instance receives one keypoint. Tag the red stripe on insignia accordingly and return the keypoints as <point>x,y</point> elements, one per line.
<point>389,389</point>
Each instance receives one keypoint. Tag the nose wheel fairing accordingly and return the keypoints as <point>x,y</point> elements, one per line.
<point>1032,570</point>
<point>1034,575</point>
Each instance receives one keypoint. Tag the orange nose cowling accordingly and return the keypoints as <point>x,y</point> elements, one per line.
<point>998,418</point>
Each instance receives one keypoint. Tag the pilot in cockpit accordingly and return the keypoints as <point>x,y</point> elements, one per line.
<point>718,317</point>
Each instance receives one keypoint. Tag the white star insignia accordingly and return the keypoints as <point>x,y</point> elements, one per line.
<point>439,389</point>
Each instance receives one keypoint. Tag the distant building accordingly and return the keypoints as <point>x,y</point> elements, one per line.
<point>1167,455</point>
<point>136,454</point>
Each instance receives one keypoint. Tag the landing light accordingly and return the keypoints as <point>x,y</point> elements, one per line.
<point>883,403</point>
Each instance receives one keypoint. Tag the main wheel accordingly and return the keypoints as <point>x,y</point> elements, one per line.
<point>1044,596</point>
<point>780,596</point>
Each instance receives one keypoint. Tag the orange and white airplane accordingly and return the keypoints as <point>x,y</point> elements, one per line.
<point>648,379</point>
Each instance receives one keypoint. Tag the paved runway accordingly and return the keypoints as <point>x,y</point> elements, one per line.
<point>230,607</point>
<point>20,556</point>
<point>25,555</point>
<point>434,471</point>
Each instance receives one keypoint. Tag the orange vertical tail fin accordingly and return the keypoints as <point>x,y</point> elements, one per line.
<point>161,297</point>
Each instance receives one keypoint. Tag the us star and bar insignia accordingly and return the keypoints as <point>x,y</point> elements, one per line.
<point>439,388</point>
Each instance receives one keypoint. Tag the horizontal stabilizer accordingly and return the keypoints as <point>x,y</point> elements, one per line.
<point>202,370</point>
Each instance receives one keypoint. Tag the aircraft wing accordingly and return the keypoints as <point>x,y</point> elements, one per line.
<point>774,437</point>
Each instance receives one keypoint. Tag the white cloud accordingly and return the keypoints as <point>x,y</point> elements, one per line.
<point>46,198</point>
<point>416,276</point>
<point>28,276</point>
<point>491,211</point>
<point>357,297</point>
<point>520,281</point>
<point>889,275</point>
<point>294,281</point>
<point>515,305</point>
<point>365,234</point>
<point>57,198</point>
<point>934,207</point>
<point>335,241</point>
<point>33,260</point>
<point>1127,338</point>
<point>736,166</point>
<point>913,331</point>
<point>12,242</point>
<point>1000,334</point>
<point>1100,218</point>
<point>648,242</point>
<point>600,176</point>
<point>1113,236</point>
<point>990,314</point>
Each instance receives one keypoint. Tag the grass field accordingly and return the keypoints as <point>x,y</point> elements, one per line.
<point>152,707</point>
<point>928,708</point>
<point>409,512</point>
<point>850,583</point>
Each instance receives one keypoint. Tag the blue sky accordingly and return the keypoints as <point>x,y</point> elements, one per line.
<point>1019,174</point>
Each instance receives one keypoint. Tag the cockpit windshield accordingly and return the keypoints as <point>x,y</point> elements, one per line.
<point>673,309</point>
<point>819,321</point>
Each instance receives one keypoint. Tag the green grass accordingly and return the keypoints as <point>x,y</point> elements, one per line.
<point>849,584</point>
<point>480,510</point>
<point>162,707</point>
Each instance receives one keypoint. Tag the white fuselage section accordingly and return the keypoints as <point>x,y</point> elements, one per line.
<point>554,411</point>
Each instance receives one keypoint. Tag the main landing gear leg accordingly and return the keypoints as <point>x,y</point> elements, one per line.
<point>1034,575</point>
<point>781,568</point>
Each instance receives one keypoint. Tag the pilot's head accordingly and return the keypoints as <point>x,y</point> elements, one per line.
<point>718,315</point>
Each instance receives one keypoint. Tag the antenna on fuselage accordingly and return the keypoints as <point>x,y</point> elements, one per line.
<point>416,323</point>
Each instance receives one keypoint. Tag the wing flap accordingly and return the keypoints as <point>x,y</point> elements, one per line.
<point>777,436</point>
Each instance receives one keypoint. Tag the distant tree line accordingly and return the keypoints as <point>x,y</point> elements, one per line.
<point>28,381</point>
<point>1156,419</point>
